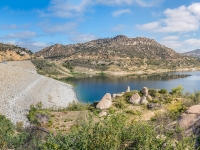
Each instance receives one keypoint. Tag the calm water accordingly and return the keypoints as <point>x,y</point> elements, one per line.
<point>90,89</point>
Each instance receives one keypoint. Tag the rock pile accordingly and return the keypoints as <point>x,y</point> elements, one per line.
<point>136,99</point>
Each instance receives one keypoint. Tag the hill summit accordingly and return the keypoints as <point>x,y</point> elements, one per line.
<point>118,53</point>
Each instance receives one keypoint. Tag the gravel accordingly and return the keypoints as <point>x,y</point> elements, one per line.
<point>21,86</point>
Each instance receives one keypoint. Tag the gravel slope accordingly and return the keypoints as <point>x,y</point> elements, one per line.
<point>21,86</point>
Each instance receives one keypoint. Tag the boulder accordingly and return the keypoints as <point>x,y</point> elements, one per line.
<point>149,97</point>
<point>190,120</point>
<point>186,120</point>
<point>194,110</point>
<point>103,113</point>
<point>135,99</point>
<point>117,95</point>
<point>105,102</point>
<point>153,106</point>
<point>143,100</point>
<point>128,89</point>
<point>42,118</point>
<point>144,91</point>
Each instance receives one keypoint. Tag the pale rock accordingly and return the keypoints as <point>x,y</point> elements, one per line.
<point>103,113</point>
<point>117,95</point>
<point>135,99</point>
<point>144,91</point>
<point>143,100</point>
<point>128,89</point>
<point>105,102</point>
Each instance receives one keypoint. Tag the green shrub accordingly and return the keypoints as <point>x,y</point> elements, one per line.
<point>77,106</point>
<point>177,91</point>
<point>120,104</point>
<point>115,132</point>
<point>152,92</point>
<point>163,91</point>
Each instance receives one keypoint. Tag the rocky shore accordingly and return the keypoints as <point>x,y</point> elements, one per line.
<point>21,86</point>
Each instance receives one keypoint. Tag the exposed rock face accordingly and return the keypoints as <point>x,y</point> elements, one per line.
<point>143,100</point>
<point>189,117</point>
<point>105,102</point>
<point>145,91</point>
<point>149,97</point>
<point>135,99</point>
<point>13,52</point>
<point>190,120</point>
<point>117,95</point>
<point>128,89</point>
<point>195,53</point>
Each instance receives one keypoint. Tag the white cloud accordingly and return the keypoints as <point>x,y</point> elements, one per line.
<point>68,27</point>
<point>80,38</point>
<point>74,8</point>
<point>173,44</point>
<point>120,12</point>
<point>9,26</point>
<point>167,38</point>
<point>149,26</point>
<point>66,8</point>
<point>25,34</point>
<point>194,42</point>
<point>181,19</point>
<point>34,46</point>
<point>118,27</point>
<point>142,3</point>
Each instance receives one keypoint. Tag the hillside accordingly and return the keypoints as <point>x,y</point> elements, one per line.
<point>13,52</point>
<point>194,53</point>
<point>118,54</point>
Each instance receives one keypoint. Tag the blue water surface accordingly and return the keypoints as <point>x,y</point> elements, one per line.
<point>91,89</point>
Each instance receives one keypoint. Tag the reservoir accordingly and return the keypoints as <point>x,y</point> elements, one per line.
<point>92,88</point>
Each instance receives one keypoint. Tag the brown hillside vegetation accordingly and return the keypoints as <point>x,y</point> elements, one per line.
<point>13,52</point>
<point>118,54</point>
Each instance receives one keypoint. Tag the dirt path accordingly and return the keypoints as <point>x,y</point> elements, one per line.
<point>21,86</point>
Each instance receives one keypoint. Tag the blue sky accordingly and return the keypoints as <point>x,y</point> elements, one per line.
<point>35,24</point>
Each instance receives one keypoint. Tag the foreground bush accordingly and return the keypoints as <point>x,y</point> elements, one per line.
<point>115,132</point>
<point>8,137</point>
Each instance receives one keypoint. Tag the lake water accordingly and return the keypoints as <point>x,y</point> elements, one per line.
<point>90,89</point>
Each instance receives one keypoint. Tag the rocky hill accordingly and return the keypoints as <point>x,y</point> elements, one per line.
<point>117,53</point>
<point>13,52</point>
<point>194,53</point>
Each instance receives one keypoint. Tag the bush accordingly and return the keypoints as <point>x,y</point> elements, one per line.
<point>8,137</point>
<point>163,91</point>
<point>77,106</point>
<point>152,92</point>
<point>177,91</point>
<point>115,132</point>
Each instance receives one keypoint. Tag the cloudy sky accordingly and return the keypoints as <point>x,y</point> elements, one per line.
<point>35,24</point>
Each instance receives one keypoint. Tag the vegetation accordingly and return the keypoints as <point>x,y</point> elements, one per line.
<point>45,67</point>
<point>79,126</point>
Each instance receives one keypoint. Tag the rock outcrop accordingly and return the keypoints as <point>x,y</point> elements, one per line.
<point>190,121</point>
<point>128,89</point>
<point>144,91</point>
<point>135,99</point>
<point>105,102</point>
<point>12,52</point>
<point>143,100</point>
